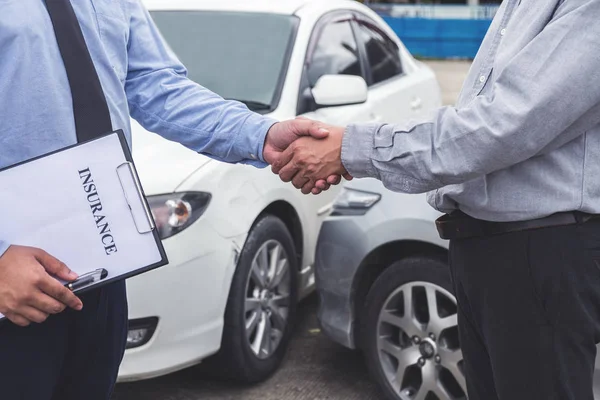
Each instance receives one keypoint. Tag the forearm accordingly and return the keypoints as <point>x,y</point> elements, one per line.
<point>163,100</point>
<point>197,118</point>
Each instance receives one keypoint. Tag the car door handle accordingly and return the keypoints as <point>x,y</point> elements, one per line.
<point>416,104</point>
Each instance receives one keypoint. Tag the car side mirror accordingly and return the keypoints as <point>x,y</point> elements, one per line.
<point>340,90</point>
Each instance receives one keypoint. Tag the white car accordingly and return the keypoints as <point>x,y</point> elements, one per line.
<point>241,244</point>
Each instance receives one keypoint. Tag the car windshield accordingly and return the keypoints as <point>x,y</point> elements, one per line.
<point>238,55</point>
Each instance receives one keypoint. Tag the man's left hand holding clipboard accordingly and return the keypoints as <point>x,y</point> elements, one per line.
<point>30,292</point>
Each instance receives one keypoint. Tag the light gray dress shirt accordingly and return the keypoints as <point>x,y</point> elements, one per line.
<point>523,141</point>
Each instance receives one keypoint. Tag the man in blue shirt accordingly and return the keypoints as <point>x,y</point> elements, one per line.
<point>75,354</point>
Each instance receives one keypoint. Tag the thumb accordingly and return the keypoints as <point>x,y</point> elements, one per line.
<point>55,267</point>
<point>307,127</point>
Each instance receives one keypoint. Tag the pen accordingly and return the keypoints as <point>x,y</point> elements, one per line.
<point>87,279</point>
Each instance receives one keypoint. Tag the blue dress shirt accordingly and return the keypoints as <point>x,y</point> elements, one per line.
<point>140,76</point>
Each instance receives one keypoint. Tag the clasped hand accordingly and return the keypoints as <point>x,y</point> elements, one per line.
<point>312,160</point>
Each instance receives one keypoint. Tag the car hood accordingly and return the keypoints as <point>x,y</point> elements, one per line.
<point>161,164</point>
<point>164,165</point>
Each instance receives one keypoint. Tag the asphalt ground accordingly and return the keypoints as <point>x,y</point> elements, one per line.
<point>314,369</point>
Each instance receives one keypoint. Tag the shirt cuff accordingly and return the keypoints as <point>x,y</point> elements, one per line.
<point>256,128</point>
<point>3,247</point>
<point>357,148</point>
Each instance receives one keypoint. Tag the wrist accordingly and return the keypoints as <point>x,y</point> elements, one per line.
<point>265,141</point>
<point>252,137</point>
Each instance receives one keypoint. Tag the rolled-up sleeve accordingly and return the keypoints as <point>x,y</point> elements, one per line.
<point>163,100</point>
<point>546,96</point>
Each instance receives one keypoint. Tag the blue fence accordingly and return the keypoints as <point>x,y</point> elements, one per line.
<point>440,32</point>
<point>440,38</point>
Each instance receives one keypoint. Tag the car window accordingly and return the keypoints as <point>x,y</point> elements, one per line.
<point>335,53</point>
<point>383,53</point>
<point>245,62</point>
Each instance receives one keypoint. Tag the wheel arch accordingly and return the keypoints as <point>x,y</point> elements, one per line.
<point>288,214</point>
<point>376,262</point>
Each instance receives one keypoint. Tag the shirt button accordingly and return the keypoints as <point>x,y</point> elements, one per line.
<point>503,32</point>
<point>252,156</point>
<point>482,79</point>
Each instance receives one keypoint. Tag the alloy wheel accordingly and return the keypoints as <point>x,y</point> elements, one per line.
<point>417,342</point>
<point>267,299</point>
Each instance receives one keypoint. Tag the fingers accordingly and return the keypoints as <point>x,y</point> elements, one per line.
<point>33,315</point>
<point>322,184</point>
<point>54,289</point>
<point>299,182</point>
<point>319,187</point>
<point>313,188</point>
<point>288,172</point>
<point>26,316</point>
<point>334,179</point>
<point>284,160</point>
<point>18,319</point>
<point>47,304</point>
<point>54,267</point>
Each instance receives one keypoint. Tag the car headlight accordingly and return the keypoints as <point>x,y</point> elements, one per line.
<point>354,202</point>
<point>175,212</point>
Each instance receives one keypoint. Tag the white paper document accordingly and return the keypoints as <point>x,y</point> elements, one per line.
<point>83,205</point>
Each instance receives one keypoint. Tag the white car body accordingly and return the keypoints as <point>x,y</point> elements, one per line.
<point>189,295</point>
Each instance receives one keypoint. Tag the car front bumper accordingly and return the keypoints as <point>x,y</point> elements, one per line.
<point>188,297</point>
<point>343,244</point>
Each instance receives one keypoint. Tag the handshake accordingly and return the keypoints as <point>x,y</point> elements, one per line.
<point>306,153</point>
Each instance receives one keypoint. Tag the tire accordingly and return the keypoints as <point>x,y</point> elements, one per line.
<point>404,367</point>
<point>236,359</point>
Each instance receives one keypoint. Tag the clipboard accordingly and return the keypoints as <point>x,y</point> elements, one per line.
<point>85,205</point>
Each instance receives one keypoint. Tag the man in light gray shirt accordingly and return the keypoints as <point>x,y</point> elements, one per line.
<point>516,168</point>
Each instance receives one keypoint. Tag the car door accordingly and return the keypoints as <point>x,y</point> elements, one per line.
<point>395,94</point>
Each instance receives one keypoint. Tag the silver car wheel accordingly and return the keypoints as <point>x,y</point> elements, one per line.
<point>267,299</point>
<point>417,342</point>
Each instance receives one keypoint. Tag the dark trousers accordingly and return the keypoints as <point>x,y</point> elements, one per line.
<point>529,312</point>
<point>71,356</point>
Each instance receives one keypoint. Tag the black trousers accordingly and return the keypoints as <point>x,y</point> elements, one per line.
<point>71,356</point>
<point>529,312</point>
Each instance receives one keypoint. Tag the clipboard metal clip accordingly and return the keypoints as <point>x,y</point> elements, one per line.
<point>137,203</point>
<point>87,279</point>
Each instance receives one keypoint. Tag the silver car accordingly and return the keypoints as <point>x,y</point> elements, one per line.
<point>385,288</point>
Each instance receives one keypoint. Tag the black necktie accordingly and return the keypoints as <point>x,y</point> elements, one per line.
<point>92,116</point>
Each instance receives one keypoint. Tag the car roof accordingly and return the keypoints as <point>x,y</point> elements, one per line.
<point>286,7</point>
